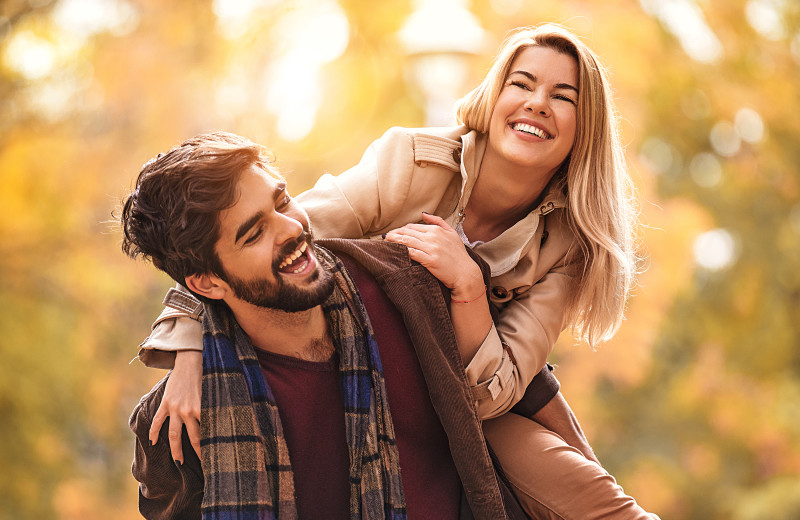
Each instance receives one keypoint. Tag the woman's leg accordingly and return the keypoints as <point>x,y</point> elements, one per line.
<point>553,480</point>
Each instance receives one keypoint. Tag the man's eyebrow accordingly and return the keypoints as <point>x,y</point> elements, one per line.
<point>249,223</point>
<point>280,189</point>
<point>534,79</point>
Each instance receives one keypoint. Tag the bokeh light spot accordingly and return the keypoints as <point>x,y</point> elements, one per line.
<point>749,125</point>
<point>724,139</point>
<point>715,250</point>
<point>705,170</point>
<point>661,156</point>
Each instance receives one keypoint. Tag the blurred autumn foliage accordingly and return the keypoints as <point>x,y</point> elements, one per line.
<point>694,406</point>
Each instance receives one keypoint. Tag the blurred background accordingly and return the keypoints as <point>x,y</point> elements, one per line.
<point>694,406</point>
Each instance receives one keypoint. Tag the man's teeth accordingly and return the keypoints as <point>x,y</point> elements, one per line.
<point>528,129</point>
<point>294,256</point>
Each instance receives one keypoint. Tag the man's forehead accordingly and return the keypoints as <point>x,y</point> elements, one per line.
<point>271,172</point>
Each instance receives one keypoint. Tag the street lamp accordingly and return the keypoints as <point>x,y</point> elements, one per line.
<point>438,39</point>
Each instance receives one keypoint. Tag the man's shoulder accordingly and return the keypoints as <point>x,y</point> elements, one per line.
<point>377,257</point>
<point>142,415</point>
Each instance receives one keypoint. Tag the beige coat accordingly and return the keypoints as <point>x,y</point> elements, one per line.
<point>409,171</point>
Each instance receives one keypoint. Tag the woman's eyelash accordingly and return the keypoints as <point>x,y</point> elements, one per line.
<point>520,84</point>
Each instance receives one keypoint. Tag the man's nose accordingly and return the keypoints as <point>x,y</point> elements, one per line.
<point>289,229</point>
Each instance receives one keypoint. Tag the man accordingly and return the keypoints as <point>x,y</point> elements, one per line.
<point>317,401</point>
<point>291,365</point>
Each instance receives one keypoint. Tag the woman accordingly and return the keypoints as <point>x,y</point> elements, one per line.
<point>535,183</point>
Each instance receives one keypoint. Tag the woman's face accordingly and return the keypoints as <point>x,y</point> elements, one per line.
<point>534,119</point>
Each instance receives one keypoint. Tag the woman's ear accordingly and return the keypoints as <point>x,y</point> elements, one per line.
<point>208,285</point>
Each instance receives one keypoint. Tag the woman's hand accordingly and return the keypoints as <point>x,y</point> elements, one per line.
<point>181,403</point>
<point>438,247</point>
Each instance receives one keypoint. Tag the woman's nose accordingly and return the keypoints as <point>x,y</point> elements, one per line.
<point>537,102</point>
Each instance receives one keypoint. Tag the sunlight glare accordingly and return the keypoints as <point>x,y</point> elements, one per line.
<point>685,20</point>
<point>234,17</point>
<point>318,31</point>
<point>293,95</point>
<point>313,34</point>
<point>30,55</point>
<point>85,18</point>
<point>442,26</point>
<point>765,16</point>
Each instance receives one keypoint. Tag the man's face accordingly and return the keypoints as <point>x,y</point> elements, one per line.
<point>266,250</point>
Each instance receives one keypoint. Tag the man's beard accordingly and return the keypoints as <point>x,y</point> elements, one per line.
<point>282,296</point>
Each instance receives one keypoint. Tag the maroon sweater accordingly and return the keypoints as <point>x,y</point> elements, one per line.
<point>310,405</point>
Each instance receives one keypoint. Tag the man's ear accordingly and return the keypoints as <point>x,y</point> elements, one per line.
<point>208,285</point>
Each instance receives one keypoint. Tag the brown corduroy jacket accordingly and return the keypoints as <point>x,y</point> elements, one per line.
<point>422,301</point>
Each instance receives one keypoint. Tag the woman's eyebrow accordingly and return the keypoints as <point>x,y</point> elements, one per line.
<point>535,79</point>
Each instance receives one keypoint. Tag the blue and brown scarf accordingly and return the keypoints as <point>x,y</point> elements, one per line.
<point>245,460</point>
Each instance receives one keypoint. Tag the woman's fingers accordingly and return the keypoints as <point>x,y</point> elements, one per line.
<point>158,421</point>
<point>175,443</point>
<point>435,220</point>
<point>193,429</point>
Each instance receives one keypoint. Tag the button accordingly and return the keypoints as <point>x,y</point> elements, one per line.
<point>499,292</point>
<point>457,155</point>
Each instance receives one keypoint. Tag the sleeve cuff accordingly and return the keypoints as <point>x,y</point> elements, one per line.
<point>491,369</point>
<point>540,391</point>
<point>170,334</point>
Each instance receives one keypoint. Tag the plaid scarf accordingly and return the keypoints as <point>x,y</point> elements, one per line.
<point>245,460</point>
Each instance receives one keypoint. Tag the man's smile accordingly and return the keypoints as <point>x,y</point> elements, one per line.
<point>296,262</point>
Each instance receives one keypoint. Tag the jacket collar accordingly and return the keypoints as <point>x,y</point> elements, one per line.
<point>503,252</point>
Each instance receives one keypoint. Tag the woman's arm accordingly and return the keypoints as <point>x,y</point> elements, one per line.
<point>502,359</point>
<point>517,347</point>
<point>176,343</point>
<point>181,403</point>
<point>438,247</point>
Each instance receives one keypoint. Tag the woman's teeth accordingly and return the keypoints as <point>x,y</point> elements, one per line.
<point>528,129</point>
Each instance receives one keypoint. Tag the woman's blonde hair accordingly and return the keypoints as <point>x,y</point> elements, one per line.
<point>600,207</point>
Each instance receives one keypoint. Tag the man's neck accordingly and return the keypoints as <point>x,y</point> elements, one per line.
<point>303,335</point>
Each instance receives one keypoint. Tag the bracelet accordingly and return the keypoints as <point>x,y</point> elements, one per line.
<point>472,300</point>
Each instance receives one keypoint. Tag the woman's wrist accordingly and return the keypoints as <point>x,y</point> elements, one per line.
<point>469,290</point>
<point>456,300</point>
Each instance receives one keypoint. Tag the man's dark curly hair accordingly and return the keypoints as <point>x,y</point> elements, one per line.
<point>171,217</point>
